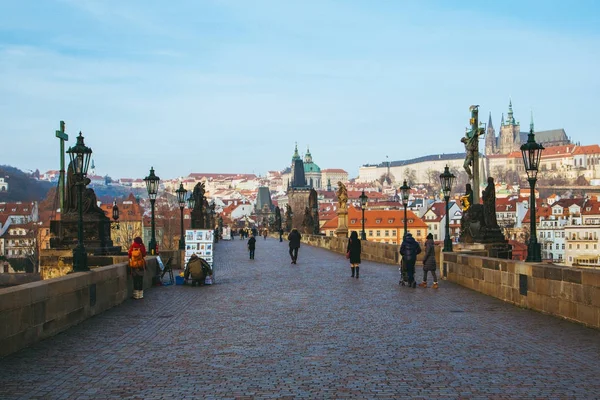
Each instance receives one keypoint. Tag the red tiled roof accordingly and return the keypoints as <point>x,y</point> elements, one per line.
<point>386,218</point>
<point>591,149</point>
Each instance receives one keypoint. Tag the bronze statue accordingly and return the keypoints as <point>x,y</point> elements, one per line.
<point>277,218</point>
<point>307,222</point>
<point>466,200</point>
<point>342,196</point>
<point>198,194</point>
<point>489,204</point>
<point>313,204</point>
<point>89,202</point>
<point>471,140</point>
<point>288,217</point>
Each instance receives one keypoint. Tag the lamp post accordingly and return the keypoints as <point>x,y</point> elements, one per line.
<point>447,181</point>
<point>80,156</point>
<point>191,201</point>
<point>115,214</point>
<point>152,188</point>
<point>404,193</point>
<point>363,204</point>
<point>181,192</point>
<point>532,152</point>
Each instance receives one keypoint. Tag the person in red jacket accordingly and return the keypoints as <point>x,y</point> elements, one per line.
<point>137,265</point>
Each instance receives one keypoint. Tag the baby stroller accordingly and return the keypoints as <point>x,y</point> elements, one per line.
<point>197,270</point>
<point>403,274</point>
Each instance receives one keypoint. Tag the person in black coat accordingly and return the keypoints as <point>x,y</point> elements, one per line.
<point>251,246</point>
<point>353,253</point>
<point>429,264</point>
<point>409,250</point>
<point>294,237</point>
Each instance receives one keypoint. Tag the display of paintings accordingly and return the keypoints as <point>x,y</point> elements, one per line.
<point>199,242</point>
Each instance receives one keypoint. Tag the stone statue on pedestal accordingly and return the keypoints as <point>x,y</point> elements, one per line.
<point>197,214</point>
<point>288,218</point>
<point>96,225</point>
<point>342,211</point>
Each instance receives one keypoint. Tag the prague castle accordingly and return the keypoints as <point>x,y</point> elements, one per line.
<point>511,137</point>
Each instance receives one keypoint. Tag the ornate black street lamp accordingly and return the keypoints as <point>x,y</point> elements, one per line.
<point>80,156</point>
<point>532,152</point>
<point>191,202</point>
<point>152,188</point>
<point>115,214</point>
<point>181,192</point>
<point>363,204</point>
<point>447,181</point>
<point>404,193</point>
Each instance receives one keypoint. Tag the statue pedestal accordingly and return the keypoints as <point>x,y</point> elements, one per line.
<point>96,234</point>
<point>342,229</point>
<point>501,250</point>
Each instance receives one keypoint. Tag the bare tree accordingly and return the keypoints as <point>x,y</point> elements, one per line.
<point>410,175</point>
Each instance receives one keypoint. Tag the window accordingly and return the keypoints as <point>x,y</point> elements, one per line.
<point>578,246</point>
<point>371,233</point>
<point>587,246</point>
<point>352,221</point>
<point>563,246</point>
<point>391,221</point>
<point>570,246</point>
<point>386,233</point>
<point>556,246</point>
<point>418,232</point>
<point>378,233</point>
<point>378,221</point>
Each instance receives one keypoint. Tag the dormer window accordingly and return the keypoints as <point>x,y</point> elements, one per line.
<point>352,221</point>
<point>391,221</point>
<point>378,221</point>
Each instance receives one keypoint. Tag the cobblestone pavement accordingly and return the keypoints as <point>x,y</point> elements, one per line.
<point>269,329</point>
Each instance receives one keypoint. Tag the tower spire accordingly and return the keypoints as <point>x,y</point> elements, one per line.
<point>296,156</point>
<point>490,122</point>
<point>510,119</point>
<point>531,130</point>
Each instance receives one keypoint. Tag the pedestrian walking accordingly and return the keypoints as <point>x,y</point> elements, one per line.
<point>251,246</point>
<point>409,250</point>
<point>294,238</point>
<point>353,253</point>
<point>137,266</point>
<point>429,264</point>
<point>265,233</point>
<point>280,235</point>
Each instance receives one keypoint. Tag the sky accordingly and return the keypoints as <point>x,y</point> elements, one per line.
<point>231,85</point>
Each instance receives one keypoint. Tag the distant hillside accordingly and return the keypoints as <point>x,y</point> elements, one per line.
<point>22,186</point>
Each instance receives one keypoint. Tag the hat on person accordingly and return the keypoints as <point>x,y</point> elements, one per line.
<point>429,236</point>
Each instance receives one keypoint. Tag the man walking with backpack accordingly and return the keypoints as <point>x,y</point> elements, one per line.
<point>409,250</point>
<point>137,265</point>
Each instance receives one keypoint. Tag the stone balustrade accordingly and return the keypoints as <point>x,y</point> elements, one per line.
<point>37,310</point>
<point>566,292</point>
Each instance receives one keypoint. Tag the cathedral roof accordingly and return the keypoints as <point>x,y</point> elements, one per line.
<point>543,137</point>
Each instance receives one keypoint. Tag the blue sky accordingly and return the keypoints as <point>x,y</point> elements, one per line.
<point>230,86</point>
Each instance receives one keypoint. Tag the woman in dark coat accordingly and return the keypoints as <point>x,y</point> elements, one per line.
<point>429,264</point>
<point>353,253</point>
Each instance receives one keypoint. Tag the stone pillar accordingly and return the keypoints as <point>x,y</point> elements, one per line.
<point>342,229</point>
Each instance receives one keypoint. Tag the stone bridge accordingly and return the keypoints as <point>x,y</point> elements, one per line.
<point>269,329</point>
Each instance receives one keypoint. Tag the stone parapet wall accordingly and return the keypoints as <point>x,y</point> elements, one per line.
<point>570,293</point>
<point>37,310</point>
<point>379,252</point>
